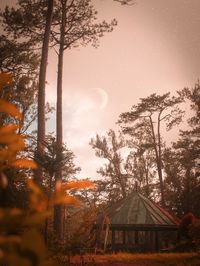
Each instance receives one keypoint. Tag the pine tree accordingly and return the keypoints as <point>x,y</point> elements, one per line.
<point>148,116</point>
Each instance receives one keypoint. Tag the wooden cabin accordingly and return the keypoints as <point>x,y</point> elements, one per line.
<point>136,224</point>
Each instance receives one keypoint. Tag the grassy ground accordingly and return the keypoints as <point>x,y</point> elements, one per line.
<point>128,259</point>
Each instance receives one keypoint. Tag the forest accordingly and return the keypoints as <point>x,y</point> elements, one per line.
<point>49,216</point>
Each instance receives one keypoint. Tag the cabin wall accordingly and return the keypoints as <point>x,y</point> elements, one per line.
<point>136,241</point>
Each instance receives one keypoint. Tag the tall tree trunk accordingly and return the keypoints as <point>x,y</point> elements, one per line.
<point>146,169</point>
<point>188,190</point>
<point>58,211</point>
<point>46,225</point>
<point>121,182</point>
<point>41,89</point>
<point>158,163</point>
<point>119,178</point>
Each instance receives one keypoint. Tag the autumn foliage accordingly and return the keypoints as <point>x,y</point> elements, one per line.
<point>21,242</point>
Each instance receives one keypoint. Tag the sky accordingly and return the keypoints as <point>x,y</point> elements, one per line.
<point>154,48</point>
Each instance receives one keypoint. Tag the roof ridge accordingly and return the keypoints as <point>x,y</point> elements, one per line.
<point>157,209</point>
<point>168,214</point>
<point>130,209</point>
<point>140,195</point>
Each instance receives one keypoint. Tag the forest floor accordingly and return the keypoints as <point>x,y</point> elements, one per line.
<point>128,259</point>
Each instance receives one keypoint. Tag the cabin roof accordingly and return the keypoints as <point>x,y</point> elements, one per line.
<point>138,210</point>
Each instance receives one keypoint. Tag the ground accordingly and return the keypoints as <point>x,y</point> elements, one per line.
<point>127,259</point>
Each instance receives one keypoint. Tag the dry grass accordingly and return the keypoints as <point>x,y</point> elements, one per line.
<point>157,259</point>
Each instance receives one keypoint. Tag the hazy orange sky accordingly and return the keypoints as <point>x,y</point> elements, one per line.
<point>154,48</point>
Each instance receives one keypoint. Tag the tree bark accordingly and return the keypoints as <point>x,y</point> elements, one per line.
<point>41,89</point>
<point>158,163</point>
<point>146,177</point>
<point>188,190</point>
<point>58,210</point>
<point>120,178</point>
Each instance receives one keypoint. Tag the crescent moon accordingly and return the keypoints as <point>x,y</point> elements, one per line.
<point>103,97</point>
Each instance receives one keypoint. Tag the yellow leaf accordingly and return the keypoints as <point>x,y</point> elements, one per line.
<point>10,109</point>
<point>78,184</point>
<point>5,79</point>
<point>23,163</point>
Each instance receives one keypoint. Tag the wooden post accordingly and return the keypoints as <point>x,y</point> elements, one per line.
<point>97,238</point>
<point>136,237</point>
<point>106,237</point>
<point>124,237</point>
<point>152,241</point>
<point>113,239</point>
<point>156,241</point>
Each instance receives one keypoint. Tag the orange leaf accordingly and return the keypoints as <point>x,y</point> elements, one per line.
<point>23,163</point>
<point>6,155</point>
<point>33,187</point>
<point>5,79</point>
<point>65,199</point>
<point>3,181</point>
<point>38,200</point>
<point>10,239</point>
<point>18,144</point>
<point>15,211</point>
<point>10,109</point>
<point>78,184</point>
<point>58,187</point>
<point>10,138</point>
<point>8,129</point>
<point>6,212</point>
<point>38,204</point>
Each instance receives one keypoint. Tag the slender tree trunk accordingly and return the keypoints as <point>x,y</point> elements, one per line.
<point>58,211</point>
<point>46,225</point>
<point>158,163</point>
<point>120,179</point>
<point>41,89</point>
<point>146,177</point>
<point>188,190</point>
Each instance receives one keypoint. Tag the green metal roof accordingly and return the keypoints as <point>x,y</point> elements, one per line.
<point>138,210</point>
